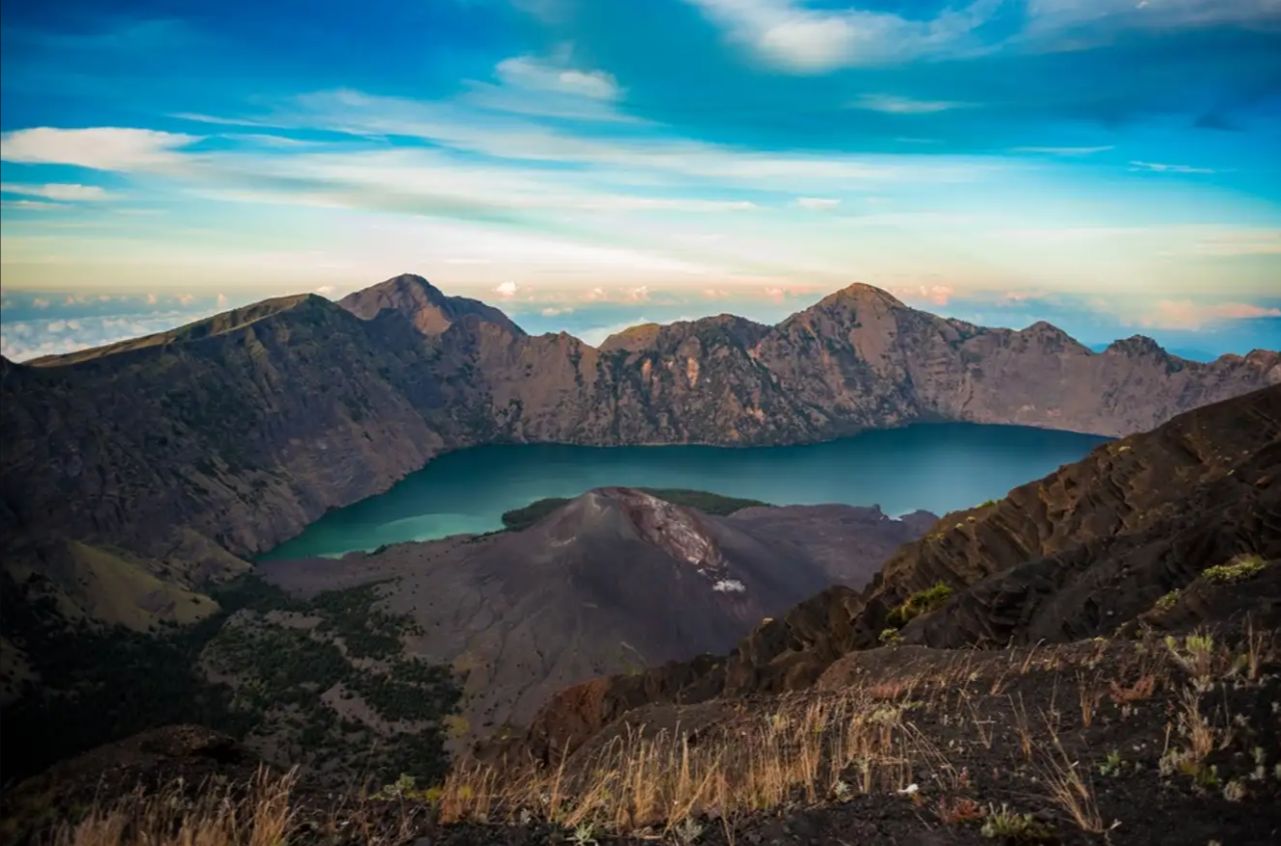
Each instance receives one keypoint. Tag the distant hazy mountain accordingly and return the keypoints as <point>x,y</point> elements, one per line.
<point>179,451</point>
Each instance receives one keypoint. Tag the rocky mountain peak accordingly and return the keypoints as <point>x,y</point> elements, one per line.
<point>860,293</point>
<point>632,338</point>
<point>679,532</point>
<point>411,297</point>
<point>1137,345</point>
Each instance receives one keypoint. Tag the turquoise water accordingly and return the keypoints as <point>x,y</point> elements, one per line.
<point>938,467</point>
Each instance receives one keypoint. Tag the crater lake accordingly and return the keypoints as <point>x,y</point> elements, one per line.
<point>937,466</point>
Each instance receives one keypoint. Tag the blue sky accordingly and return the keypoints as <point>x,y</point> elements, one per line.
<point>1109,165</point>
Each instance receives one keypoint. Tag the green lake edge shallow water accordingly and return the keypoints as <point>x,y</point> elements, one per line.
<point>938,467</point>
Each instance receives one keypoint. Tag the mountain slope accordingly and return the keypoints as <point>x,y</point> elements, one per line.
<point>1085,551</point>
<point>616,579</point>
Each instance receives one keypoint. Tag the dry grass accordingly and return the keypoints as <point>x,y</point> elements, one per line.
<point>1089,695</point>
<point>1022,726</point>
<point>258,816</point>
<point>1260,649</point>
<point>1071,792</point>
<point>829,747</point>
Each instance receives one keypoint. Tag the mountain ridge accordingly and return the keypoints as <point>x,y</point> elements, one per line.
<point>231,434</point>
<point>397,294</point>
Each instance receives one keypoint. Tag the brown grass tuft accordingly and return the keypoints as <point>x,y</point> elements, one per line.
<point>213,816</point>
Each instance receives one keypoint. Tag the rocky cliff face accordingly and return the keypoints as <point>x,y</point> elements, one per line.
<point>233,433</point>
<point>1085,551</point>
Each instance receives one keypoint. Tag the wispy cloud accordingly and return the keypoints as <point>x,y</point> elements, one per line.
<point>800,39</point>
<point>57,191</point>
<point>537,74</point>
<point>817,203</point>
<point>99,148</point>
<point>894,105</point>
<point>1185,314</point>
<point>1162,167</point>
<point>1073,16</point>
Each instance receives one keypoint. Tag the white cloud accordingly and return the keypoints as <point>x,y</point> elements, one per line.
<point>507,290</point>
<point>891,104</point>
<point>324,290</point>
<point>799,39</point>
<point>1185,314</point>
<point>555,311</point>
<point>817,203</point>
<point>99,148</point>
<point>793,36</point>
<point>1162,167</point>
<point>222,300</point>
<point>66,192</point>
<point>541,75</point>
<point>1046,17</point>
<point>40,302</point>
<point>937,294</point>
<point>27,339</point>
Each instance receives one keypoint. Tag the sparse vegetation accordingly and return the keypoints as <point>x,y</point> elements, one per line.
<point>1013,827</point>
<point>639,778</point>
<point>919,603</point>
<point>125,682</point>
<point>211,816</point>
<point>1239,569</point>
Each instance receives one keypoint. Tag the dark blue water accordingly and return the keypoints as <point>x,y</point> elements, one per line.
<point>938,467</point>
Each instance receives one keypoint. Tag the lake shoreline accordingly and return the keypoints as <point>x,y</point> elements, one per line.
<point>934,466</point>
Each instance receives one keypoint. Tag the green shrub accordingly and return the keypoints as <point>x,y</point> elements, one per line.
<point>1239,569</point>
<point>1011,827</point>
<point>921,602</point>
<point>1166,602</point>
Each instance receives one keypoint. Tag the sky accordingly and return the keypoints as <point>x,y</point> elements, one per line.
<point>1111,166</point>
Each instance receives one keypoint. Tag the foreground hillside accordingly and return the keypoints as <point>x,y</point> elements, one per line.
<point>157,465</point>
